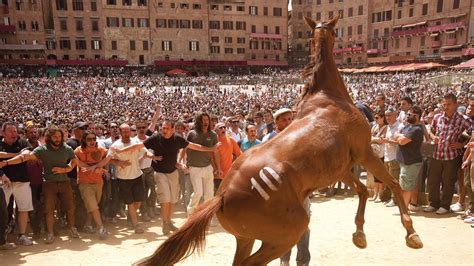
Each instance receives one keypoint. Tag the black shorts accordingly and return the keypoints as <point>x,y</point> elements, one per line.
<point>132,190</point>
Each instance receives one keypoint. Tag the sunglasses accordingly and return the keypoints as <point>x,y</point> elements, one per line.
<point>141,127</point>
<point>223,127</point>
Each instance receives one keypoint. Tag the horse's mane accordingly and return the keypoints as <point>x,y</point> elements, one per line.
<point>311,70</point>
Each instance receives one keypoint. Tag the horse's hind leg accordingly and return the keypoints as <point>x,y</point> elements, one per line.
<point>375,166</point>
<point>244,248</point>
<point>358,238</point>
<point>268,252</point>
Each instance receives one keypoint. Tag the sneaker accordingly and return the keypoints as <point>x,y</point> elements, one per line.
<point>429,209</point>
<point>49,239</point>
<point>469,220</point>
<point>145,217</point>
<point>7,246</point>
<point>414,208</point>
<point>88,229</point>
<point>102,233</point>
<point>457,207</point>
<point>73,232</point>
<point>24,241</point>
<point>391,203</point>
<point>442,211</point>
<point>139,229</point>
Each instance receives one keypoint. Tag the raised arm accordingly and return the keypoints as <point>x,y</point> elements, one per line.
<point>154,119</point>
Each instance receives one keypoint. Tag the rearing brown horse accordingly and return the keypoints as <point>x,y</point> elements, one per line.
<point>262,195</point>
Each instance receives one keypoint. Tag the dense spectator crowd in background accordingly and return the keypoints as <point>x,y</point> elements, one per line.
<point>244,104</point>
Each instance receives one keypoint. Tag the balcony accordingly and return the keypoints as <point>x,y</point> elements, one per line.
<point>400,33</point>
<point>435,44</point>
<point>7,28</point>
<point>451,42</point>
<point>376,51</point>
<point>22,47</point>
<point>445,27</point>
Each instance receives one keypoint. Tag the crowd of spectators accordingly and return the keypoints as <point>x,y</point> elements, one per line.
<point>102,99</point>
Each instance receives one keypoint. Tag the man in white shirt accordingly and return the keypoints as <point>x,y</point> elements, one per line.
<point>130,180</point>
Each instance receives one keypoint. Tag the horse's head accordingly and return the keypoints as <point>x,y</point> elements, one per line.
<point>321,45</point>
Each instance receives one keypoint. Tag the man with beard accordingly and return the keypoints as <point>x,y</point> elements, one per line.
<point>55,155</point>
<point>409,141</point>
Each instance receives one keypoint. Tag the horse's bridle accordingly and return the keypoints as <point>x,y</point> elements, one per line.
<point>321,25</point>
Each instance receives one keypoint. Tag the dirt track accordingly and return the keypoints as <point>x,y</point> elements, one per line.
<point>447,240</point>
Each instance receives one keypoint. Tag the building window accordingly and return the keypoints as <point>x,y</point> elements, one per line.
<point>349,31</point>
<point>265,11</point>
<point>141,59</point>
<point>19,5</point>
<point>265,29</point>
<point>112,22</point>
<point>350,12</point>
<point>410,12</point>
<point>424,11</point>
<point>197,24</point>
<point>254,29</point>
<point>173,23</point>
<point>408,42</point>
<point>145,45</point>
<point>34,26</point>
<point>227,8</point>
<point>253,10</point>
<point>95,25</point>
<point>214,7</point>
<point>240,40</point>
<point>439,6</point>
<point>277,30</point>
<point>114,45</point>
<point>63,24</point>
<point>51,44</point>
<point>93,5</point>
<point>214,39</point>
<point>64,44</point>
<point>341,13</point>
<point>241,50</point>
<point>422,40</point>
<point>128,22</point>
<point>277,12</point>
<point>318,16</point>
<point>143,23</point>
<point>359,29</point>
<point>228,50</point>
<point>142,2</point>
<point>61,4</point>
<point>77,5</point>
<point>215,49</point>
<point>399,14</point>
<point>81,45</point>
<point>184,6</point>
<point>228,39</point>
<point>132,45</point>
<point>112,2</point>
<point>455,4</point>
<point>277,45</point>
<point>253,45</point>
<point>166,46</point>
<point>214,25</point>
<point>79,25</point>
<point>241,8</point>
<point>193,46</point>
<point>126,2</point>
<point>228,25</point>
<point>184,24</point>
<point>397,43</point>
<point>360,11</point>
<point>161,23</point>
<point>172,5</point>
<point>196,6</point>
<point>96,44</point>
<point>240,25</point>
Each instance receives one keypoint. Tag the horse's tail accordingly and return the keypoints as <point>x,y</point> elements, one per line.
<point>187,239</point>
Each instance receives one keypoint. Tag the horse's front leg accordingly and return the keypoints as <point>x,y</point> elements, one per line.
<point>358,238</point>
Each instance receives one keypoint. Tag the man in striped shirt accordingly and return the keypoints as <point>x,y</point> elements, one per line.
<point>446,128</point>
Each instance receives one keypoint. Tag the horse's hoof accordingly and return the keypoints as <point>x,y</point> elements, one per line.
<point>358,238</point>
<point>414,241</point>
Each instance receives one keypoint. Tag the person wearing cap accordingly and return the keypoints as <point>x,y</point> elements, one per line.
<point>19,186</point>
<point>75,141</point>
<point>228,151</point>
<point>390,152</point>
<point>283,118</point>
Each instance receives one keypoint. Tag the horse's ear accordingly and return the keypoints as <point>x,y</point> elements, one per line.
<point>310,22</point>
<point>332,23</point>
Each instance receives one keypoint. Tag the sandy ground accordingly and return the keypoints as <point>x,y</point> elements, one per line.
<point>447,241</point>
